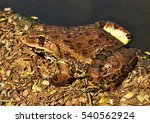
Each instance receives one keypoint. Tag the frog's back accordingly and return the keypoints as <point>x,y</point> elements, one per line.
<point>84,42</point>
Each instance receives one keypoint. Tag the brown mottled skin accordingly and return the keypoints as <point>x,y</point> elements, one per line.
<point>80,52</point>
<point>84,52</point>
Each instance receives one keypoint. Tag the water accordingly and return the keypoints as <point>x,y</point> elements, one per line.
<point>132,14</point>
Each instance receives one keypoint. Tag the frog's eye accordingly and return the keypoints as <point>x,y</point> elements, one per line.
<point>41,40</point>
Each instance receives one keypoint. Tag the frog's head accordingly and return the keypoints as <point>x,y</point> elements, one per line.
<point>40,42</point>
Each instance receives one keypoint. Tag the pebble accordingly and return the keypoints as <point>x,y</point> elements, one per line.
<point>34,17</point>
<point>26,27</point>
<point>7,9</point>
<point>45,82</point>
<point>25,93</point>
<point>8,72</point>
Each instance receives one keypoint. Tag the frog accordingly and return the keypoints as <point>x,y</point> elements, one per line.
<point>97,53</point>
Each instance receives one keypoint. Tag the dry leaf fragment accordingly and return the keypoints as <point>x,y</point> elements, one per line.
<point>140,98</point>
<point>82,99</point>
<point>127,96</point>
<point>68,103</point>
<point>52,92</point>
<point>9,103</point>
<point>147,97</point>
<point>7,87</point>
<point>36,88</point>
<point>75,101</point>
<point>103,100</point>
<point>2,71</point>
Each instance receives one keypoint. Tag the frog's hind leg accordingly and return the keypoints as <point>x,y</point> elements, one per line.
<point>116,30</point>
<point>113,70</point>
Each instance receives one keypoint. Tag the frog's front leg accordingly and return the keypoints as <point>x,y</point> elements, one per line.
<point>64,76</point>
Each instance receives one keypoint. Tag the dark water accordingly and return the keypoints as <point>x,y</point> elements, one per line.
<point>132,14</point>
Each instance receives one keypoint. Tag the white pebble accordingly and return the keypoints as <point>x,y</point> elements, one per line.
<point>7,9</point>
<point>45,82</point>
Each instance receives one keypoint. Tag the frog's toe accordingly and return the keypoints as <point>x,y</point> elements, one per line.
<point>116,30</point>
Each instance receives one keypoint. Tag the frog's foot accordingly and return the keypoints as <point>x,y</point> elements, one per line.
<point>64,76</point>
<point>116,30</point>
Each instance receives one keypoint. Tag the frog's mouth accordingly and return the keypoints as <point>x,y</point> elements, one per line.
<point>117,31</point>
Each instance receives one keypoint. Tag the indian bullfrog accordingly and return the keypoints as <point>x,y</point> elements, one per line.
<point>93,52</point>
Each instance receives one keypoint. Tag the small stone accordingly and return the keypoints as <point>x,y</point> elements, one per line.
<point>147,52</point>
<point>26,27</point>
<point>7,9</point>
<point>140,98</point>
<point>8,72</point>
<point>45,82</point>
<point>34,17</point>
<point>25,93</point>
